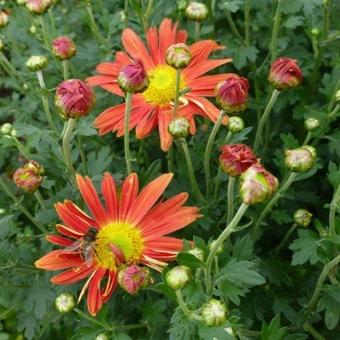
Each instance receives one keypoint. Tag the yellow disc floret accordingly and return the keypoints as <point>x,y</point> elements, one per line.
<point>127,238</point>
<point>162,87</point>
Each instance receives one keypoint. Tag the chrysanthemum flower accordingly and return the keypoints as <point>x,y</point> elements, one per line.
<point>153,107</point>
<point>131,229</point>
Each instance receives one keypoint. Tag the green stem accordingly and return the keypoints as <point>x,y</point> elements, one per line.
<point>186,311</point>
<point>220,171</point>
<point>22,148</point>
<point>70,125</point>
<point>52,22</point>
<point>40,199</point>
<point>44,98</point>
<point>66,72</point>
<point>197,30</point>
<point>285,185</point>
<point>82,153</point>
<point>333,112</point>
<point>264,117</point>
<point>176,101</point>
<point>7,65</point>
<point>333,206</point>
<point>93,25</point>
<point>285,239</point>
<point>128,102</point>
<point>208,149</point>
<point>233,27</point>
<point>275,32</point>
<point>44,30</point>
<point>231,227</point>
<point>170,158</point>
<point>91,319</point>
<point>126,13</point>
<point>247,22</point>
<point>8,191</point>
<point>231,186</point>
<point>147,15</point>
<point>308,138</point>
<point>326,269</point>
<point>191,171</point>
<point>310,329</point>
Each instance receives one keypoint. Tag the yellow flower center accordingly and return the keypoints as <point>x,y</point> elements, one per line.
<point>122,236</point>
<point>162,87</point>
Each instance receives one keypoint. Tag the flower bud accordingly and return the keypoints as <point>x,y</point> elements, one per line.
<point>232,94</point>
<point>177,277</point>
<point>133,78</point>
<point>337,96</point>
<point>36,63</point>
<point>74,98</point>
<point>285,73</point>
<point>38,6</point>
<point>197,252</point>
<point>315,32</point>
<point>6,129</point>
<point>178,56</point>
<point>35,167</point>
<point>132,278</point>
<point>235,159</point>
<point>235,124</point>
<point>33,29</point>
<point>214,313</point>
<point>179,127</point>
<point>300,159</point>
<point>196,11</point>
<point>64,48</point>
<point>65,302</point>
<point>257,184</point>
<point>28,178</point>
<point>302,217</point>
<point>102,336</point>
<point>312,124</point>
<point>219,249</point>
<point>3,18</point>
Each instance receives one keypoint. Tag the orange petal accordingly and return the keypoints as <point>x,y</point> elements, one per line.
<point>110,196</point>
<point>72,275</point>
<point>147,198</point>
<point>201,50</point>
<point>136,48</point>
<point>108,119</point>
<point>59,240</point>
<point>181,37</point>
<point>152,41</point>
<point>164,118</point>
<point>111,285</point>
<point>68,231</point>
<point>147,124</point>
<point>57,259</point>
<point>167,36</point>
<point>94,297</point>
<point>128,195</point>
<point>91,198</point>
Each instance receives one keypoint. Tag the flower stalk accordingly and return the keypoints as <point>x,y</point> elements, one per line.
<point>70,125</point>
<point>186,311</point>
<point>176,101</point>
<point>128,102</point>
<point>40,199</point>
<point>275,32</point>
<point>264,118</point>
<point>333,206</point>
<point>66,72</point>
<point>230,192</point>
<point>285,239</point>
<point>197,30</point>
<point>93,25</point>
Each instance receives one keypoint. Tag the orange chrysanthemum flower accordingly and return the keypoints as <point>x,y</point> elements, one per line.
<point>129,228</point>
<point>153,107</point>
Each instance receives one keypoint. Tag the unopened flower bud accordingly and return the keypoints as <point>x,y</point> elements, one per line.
<point>132,278</point>
<point>196,11</point>
<point>178,56</point>
<point>6,129</point>
<point>38,6</point>
<point>3,18</point>
<point>35,167</point>
<point>102,336</point>
<point>36,63</point>
<point>302,217</point>
<point>315,32</point>
<point>29,177</point>
<point>285,73</point>
<point>33,29</point>
<point>2,45</point>
<point>312,124</point>
<point>214,313</point>
<point>235,159</point>
<point>74,98</point>
<point>65,303</point>
<point>232,94</point>
<point>177,277</point>
<point>13,133</point>
<point>235,124</point>
<point>179,127</point>
<point>64,48</point>
<point>133,78</point>
<point>257,184</point>
<point>300,159</point>
<point>219,249</point>
<point>337,96</point>
<point>197,252</point>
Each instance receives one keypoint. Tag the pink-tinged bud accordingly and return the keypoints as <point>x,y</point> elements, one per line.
<point>235,159</point>
<point>74,98</point>
<point>35,167</point>
<point>285,73</point>
<point>178,56</point>
<point>27,180</point>
<point>3,18</point>
<point>132,278</point>
<point>232,94</point>
<point>64,48</point>
<point>300,159</point>
<point>133,78</point>
<point>38,6</point>
<point>257,184</point>
<point>196,11</point>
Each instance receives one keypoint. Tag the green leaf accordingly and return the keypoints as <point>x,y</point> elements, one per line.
<point>243,248</point>
<point>334,174</point>
<point>330,303</point>
<point>232,5</point>
<point>181,327</point>
<point>244,54</point>
<point>293,22</point>
<point>273,331</point>
<point>290,6</point>
<point>188,260</point>
<point>214,333</point>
